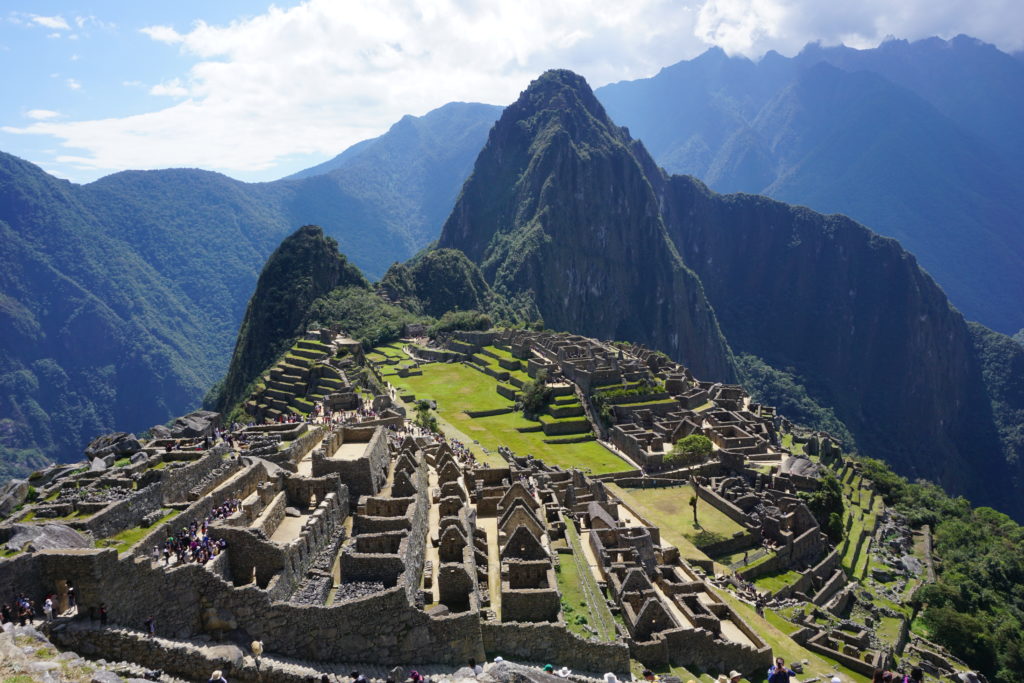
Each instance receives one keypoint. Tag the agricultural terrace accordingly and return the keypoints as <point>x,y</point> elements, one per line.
<point>456,388</point>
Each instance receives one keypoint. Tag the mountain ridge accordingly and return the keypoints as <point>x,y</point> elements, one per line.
<point>916,140</point>
<point>850,310</point>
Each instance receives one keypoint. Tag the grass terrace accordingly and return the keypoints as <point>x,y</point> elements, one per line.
<point>129,537</point>
<point>457,387</point>
<point>581,596</point>
<point>776,582</point>
<point>669,509</point>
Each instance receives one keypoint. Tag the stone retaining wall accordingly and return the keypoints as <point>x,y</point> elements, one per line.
<point>550,643</point>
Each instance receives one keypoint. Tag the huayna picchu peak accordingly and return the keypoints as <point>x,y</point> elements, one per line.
<point>564,206</point>
<point>517,404</point>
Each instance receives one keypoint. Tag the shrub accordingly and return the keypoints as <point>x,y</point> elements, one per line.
<point>691,450</point>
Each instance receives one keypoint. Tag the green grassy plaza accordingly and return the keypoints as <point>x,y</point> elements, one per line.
<point>457,388</point>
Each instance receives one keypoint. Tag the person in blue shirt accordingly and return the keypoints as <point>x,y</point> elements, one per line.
<point>778,673</point>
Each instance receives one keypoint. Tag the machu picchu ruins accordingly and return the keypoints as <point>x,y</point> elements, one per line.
<point>337,530</point>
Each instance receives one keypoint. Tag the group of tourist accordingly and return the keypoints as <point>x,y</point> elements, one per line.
<point>22,610</point>
<point>193,543</point>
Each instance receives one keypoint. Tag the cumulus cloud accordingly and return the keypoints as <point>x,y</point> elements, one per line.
<point>58,22</point>
<point>319,76</point>
<point>42,114</point>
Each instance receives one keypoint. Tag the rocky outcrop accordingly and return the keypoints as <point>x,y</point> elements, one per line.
<point>196,423</point>
<point>116,443</point>
<point>32,537</point>
<point>559,209</point>
<point>12,494</point>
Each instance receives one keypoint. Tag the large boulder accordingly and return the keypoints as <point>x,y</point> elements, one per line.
<point>507,672</point>
<point>198,423</point>
<point>12,494</point>
<point>160,432</point>
<point>115,443</point>
<point>46,537</point>
<point>800,465</point>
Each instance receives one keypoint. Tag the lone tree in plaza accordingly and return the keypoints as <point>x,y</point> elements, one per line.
<point>423,417</point>
<point>691,450</point>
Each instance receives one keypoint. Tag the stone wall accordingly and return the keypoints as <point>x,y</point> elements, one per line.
<point>543,643</point>
<point>178,483</point>
<point>806,548</point>
<point>698,648</point>
<point>364,475</point>
<point>124,514</point>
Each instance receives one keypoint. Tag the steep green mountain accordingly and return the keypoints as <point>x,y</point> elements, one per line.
<point>919,140</point>
<point>558,208</point>
<point>306,266</point>
<point>439,281</point>
<point>124,295</point>
<point>565,205</point>
<point>868,331</point>
<point>307,283</point>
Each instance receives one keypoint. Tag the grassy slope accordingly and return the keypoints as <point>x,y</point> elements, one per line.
<point>457,388</point>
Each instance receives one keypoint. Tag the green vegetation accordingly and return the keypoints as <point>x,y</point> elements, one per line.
<point>787,393</point>
<point>303,268</point>
<point>423,417</point>
<point>975,608</point>
<point>461,320</point>
<point>669,509</point>
<point>777,581</point>
<point>363,314</point>
<point>827,505</point>
<point>690,450</point>
<point>578,587</point>
<point>129,537</point>
<point>457,388</point>
<point>534,396</point>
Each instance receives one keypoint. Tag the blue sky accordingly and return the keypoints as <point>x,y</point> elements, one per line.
<point>259,91</point>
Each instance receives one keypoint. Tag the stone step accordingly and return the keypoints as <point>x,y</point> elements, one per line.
<point>309,354</point>
<point>313,345</point>
<point>279,394</point>
<point>298,361</point>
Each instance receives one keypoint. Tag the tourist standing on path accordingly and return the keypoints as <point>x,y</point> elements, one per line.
<point>150,627</point>
<point>218,677</point>
<point>103,614</point>
<point>778,673</point>
<point>48,608</point>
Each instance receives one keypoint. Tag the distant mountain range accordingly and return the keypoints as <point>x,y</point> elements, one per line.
<point>120,299</point>
<point>922,141</point>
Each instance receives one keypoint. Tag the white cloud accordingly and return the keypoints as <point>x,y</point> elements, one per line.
<point>752,27</point>
<point>56,22</point>
<point>173,88</point>
<point>73,84</point>
<point>319,76</point>
<point>42,114</point>
<point>53,35</point>
<point>164,34</point>
<point>315,78</point>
